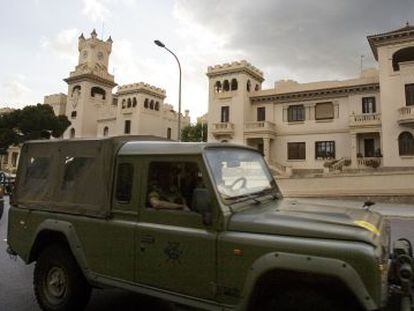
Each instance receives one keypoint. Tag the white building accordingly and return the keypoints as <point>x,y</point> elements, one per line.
<point>352,124</point>
<point>93,109</point>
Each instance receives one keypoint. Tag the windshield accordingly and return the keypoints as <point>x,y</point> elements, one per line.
<point>239,173</point>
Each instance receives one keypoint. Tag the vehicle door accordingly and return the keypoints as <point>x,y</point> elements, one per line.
<point>176,249</point>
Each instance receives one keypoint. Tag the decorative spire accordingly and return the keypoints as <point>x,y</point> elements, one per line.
<point>94,34</point>
<point>81,36</point>
<point>109,40</point>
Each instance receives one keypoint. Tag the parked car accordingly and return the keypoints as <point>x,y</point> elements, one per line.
<point>202,225</point>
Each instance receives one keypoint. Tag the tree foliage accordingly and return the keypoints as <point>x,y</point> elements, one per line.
<point>194,132</point>
<point>31,122</point>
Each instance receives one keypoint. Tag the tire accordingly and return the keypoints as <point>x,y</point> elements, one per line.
<point>59,284</point>
<point>303,299</point>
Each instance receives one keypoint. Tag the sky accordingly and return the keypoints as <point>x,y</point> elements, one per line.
<point>287,39</point>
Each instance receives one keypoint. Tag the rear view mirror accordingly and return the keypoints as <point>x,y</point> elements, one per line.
<point>201,203</point>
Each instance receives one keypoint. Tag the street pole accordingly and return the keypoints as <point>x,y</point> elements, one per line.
<point>162,45</point>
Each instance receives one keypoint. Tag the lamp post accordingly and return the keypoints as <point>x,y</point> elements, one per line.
<point>162,45</point>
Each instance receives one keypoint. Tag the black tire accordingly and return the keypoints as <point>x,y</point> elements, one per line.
<point>59,284</point>
<point>303,299</point>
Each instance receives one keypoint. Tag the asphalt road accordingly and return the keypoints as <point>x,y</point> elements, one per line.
<point>16,292</point>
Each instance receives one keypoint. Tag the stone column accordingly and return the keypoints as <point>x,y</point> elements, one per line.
<point>354,151</point>
<point>266,149</point>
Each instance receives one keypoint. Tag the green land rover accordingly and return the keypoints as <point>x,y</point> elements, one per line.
<point>202,225</point>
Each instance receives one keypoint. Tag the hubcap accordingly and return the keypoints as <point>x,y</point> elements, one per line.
<point>56,283</point>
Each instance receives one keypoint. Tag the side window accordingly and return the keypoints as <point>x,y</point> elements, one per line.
<point>124,181</point>
<point>171,185</point>
<point>77,171</point>
<point>38,168</point>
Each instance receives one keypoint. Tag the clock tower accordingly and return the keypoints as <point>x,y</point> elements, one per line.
<point>89,86</point>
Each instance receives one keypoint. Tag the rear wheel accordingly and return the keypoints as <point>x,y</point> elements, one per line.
<point>59,284</point>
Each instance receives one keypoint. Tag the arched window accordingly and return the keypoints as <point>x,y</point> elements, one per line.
<point>234,85</point>
<point>248,86</point>
<point>157,106</point>
<point>226,85</point>
<point>76,90</point>
<point>97,90</point>
<point>73,114</point>
<point>129,103</point>
<point>217,87</point>
<point>406,143</point>
<point>72,133</point>
<point>257,87</point>
<point>134,102</point>
<point>403,55</point>
<point>146,103</point>
<point>169,133</point>
<point>123,103</point>
<point>224,141</point>
<point>105,131</point>
<point>151,104</point>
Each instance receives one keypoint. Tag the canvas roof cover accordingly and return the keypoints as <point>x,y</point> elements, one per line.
<point>70,176</point>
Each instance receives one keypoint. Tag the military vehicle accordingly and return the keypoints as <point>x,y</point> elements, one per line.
<point>201,225</point>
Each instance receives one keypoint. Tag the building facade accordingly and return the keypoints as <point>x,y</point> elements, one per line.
<point>361,123</point>
<point>95,111</point>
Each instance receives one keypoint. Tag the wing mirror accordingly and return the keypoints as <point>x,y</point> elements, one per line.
<point>202,204</point>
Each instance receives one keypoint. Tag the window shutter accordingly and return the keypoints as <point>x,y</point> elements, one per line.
<point>324,111</point>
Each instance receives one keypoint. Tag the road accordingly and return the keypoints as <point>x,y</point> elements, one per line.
<point>16,292</point>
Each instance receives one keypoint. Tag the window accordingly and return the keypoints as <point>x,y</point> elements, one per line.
<point>127,127</point>
<point>123,103</point>
<point>297,151</point>
<point>171,185</point>
<point>324,111</point>
<point>38,168</point>
<point>76,90</point>
<point>15,155</point>
<point>257,87</point>
<point>76,171</point>
<point>409,94</point>
<point>124,182</point>
<point>403,55</point>
<point>6,158</point>
<point>72,133</point>
<point>73,114</point>
<point>406,143</point>
<point>169,133</point>
<point>134,102</point>
<point>225,114</point>
<point>226,85</point>
<point>97,90</point>
<point>325,150</point>
<point>368,105</point>
<point>217,87</point>
<point>248,86</point>
<point>261,114</point>
<point>105,131</point>
<point>157,106</point>
<point>146,103</point>
<point>129,103</point>
<point>115,101</point>
<point>296,113</point>
<point>234,85</point>
<point>151,106</point>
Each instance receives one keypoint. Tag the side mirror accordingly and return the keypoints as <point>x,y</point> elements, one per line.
<point>201,203</point>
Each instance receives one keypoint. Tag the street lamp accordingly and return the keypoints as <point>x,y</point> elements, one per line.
<point>162,45</point>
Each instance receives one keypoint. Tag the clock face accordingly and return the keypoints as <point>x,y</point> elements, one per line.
<point>100,55</point>
<point>84,54</point>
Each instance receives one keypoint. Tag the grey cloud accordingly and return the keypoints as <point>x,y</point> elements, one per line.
<point>308,39</point>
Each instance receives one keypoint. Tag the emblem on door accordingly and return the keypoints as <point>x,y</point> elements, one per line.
<point>173,251</point>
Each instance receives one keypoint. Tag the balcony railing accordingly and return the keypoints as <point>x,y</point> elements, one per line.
<point>406,116</point>
<point>372,162</point>
<point>223,128</point>
<point>260,127</point>
<point>365,119</point>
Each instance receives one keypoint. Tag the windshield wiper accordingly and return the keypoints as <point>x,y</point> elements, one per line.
<point>252,196</point>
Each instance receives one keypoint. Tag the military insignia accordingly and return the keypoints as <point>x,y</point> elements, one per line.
<point>173,252</point>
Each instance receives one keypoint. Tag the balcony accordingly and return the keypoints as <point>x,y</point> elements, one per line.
<point>223,129</point>
<point>260,128</point>
<point>366,120</point>
<point>369,162</point>
<point>406,116</point>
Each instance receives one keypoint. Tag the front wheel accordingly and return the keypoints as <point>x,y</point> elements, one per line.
<point>59,284</point>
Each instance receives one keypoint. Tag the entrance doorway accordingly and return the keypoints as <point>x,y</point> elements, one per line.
<point>369,147</point>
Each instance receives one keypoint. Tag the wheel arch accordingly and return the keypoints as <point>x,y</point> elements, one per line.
<point>278,267</point>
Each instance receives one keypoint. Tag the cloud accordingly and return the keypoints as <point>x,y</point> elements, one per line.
<point>63,44</point>
<point>306,40</point>
<point>16,93</point>
<point>96,10</point>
